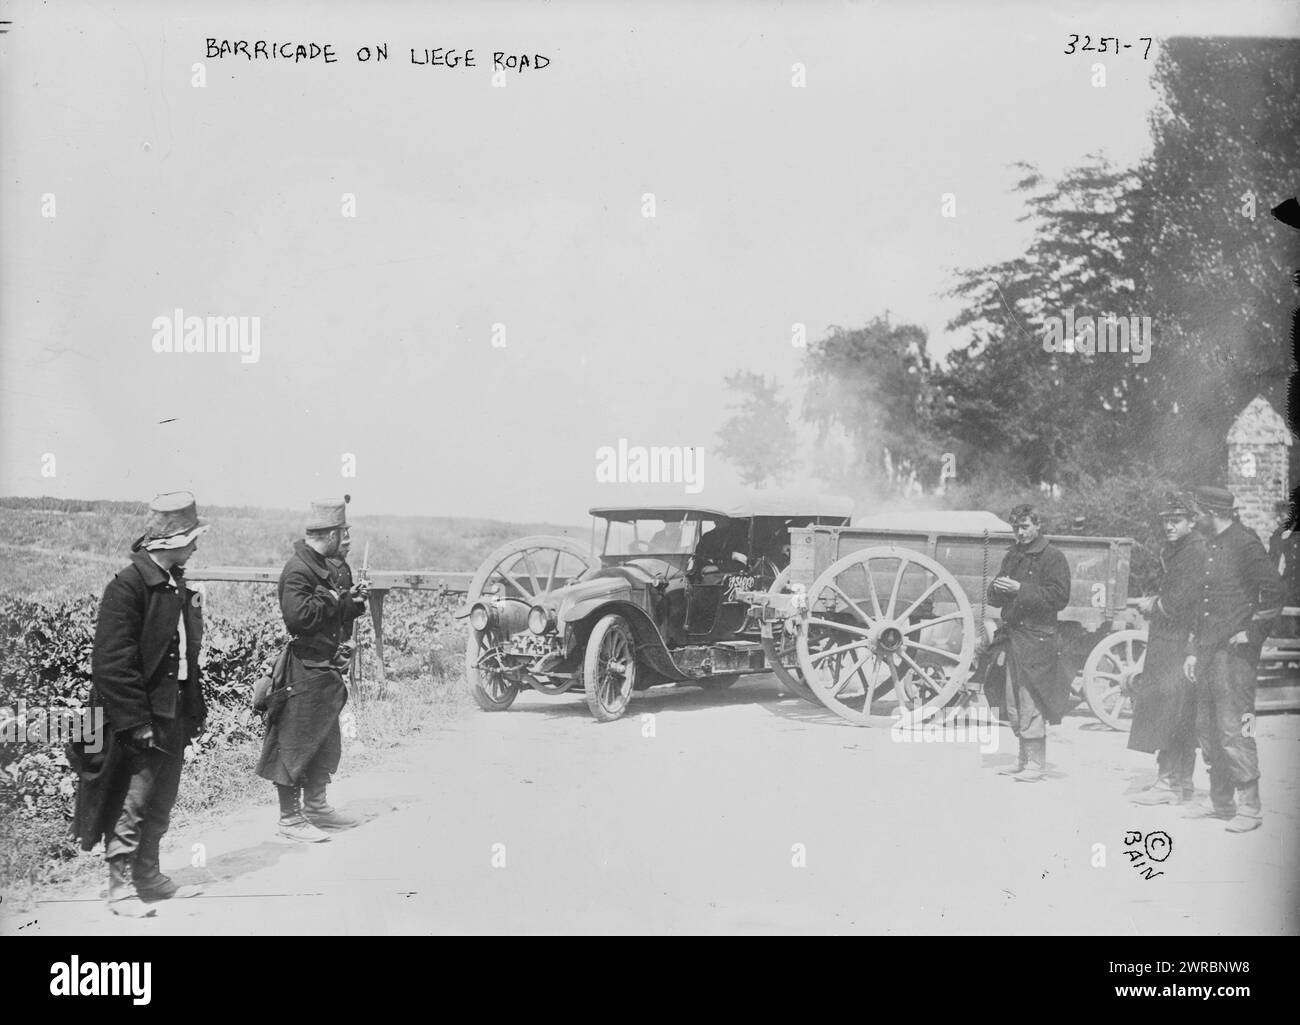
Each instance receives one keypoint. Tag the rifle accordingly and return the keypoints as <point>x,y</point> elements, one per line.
<point>376,605</point>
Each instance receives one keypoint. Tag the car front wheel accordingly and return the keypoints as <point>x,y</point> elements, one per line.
<point>609,668</point>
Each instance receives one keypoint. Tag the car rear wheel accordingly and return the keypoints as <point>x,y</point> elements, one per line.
<point>609,668</point>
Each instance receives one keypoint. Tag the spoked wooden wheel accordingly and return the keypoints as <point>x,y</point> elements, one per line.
<point>1113,668</point>
<point>780,649</point>
<point>517,575</point>
<point>885,618</point>
<point>609,668</point>
<point>531,569</point>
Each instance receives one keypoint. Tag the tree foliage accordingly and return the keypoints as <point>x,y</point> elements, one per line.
<point>872,386</point>
<point>757,438</point>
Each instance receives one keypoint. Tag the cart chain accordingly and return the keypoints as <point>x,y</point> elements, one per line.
<point>984,590</point>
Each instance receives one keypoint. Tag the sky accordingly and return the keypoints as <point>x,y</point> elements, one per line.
<point>523,206</point>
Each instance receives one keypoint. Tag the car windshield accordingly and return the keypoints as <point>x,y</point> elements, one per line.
<point>649,535</point>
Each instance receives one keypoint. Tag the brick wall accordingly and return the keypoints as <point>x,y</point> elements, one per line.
<point>1258,464</point>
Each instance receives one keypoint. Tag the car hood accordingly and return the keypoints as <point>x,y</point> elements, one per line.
<point>608,584</point>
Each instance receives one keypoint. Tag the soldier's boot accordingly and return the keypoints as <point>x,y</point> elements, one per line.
<point>122,898</point>
<point>1201,810</point>
<point>1249,814</point>
<point>1035,770</point>
<point>150,883</point>
<point>1163,792</point>
<point>318,811</point>
<point>1007,770</point>
<point>293,824</point>
<point>1222,804</point>
<point>1162,776</point>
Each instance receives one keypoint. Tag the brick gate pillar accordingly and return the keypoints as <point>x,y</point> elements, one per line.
<point>1257,464</point>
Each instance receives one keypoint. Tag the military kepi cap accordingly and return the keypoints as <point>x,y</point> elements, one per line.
<point>1214,499</point>
<point>173,523</point>
<point>329,514</point>
<point>1176,504</point>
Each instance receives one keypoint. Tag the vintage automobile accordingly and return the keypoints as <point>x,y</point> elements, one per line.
<point>661,602</point>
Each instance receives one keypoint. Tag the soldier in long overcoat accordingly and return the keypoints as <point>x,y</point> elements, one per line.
<point>303,743</point>
<point>146,692</point>
<point>1164,700</point>
<point>1032,586</point>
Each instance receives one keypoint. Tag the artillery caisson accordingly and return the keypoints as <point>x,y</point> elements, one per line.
<point>868,617</point>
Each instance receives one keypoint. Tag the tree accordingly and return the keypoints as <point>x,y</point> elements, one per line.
<point>1226,148</point>
<point>757,438</point>
<point>1173,239</point>
<point>1006,403</point>
<point>871,386</point>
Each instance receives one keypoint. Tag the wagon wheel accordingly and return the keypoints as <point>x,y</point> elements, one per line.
<point>528,570</point>
<point>1114,666</point>
<point>609,668</point>
<point>886,618</point>
<point>782,657</point>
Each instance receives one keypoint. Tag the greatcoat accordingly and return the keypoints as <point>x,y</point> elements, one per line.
<point>1028,634</point>
<point>302,728</point>
<point>134,668</point>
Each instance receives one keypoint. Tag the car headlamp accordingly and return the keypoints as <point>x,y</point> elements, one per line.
<point>479,617</point>
<point>540,619</point>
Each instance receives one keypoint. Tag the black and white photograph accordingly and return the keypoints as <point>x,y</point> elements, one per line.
<point>569,469</point>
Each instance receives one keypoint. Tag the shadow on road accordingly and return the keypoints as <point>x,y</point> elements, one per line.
<point>760,689</point>
<point>233,864</point>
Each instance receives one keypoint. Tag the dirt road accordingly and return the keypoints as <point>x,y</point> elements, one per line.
<point>746,811</point>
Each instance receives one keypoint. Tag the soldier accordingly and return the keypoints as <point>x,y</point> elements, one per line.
<point>303,742</point>
<point>1164,701</point>
<point>1032,586</point>
<point>146,684</point>
<point>1239,595</point>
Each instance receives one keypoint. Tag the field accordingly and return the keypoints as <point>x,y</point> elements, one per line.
<point>60,554</point>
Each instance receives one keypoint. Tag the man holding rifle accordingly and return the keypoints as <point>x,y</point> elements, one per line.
<point>303,742</point>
